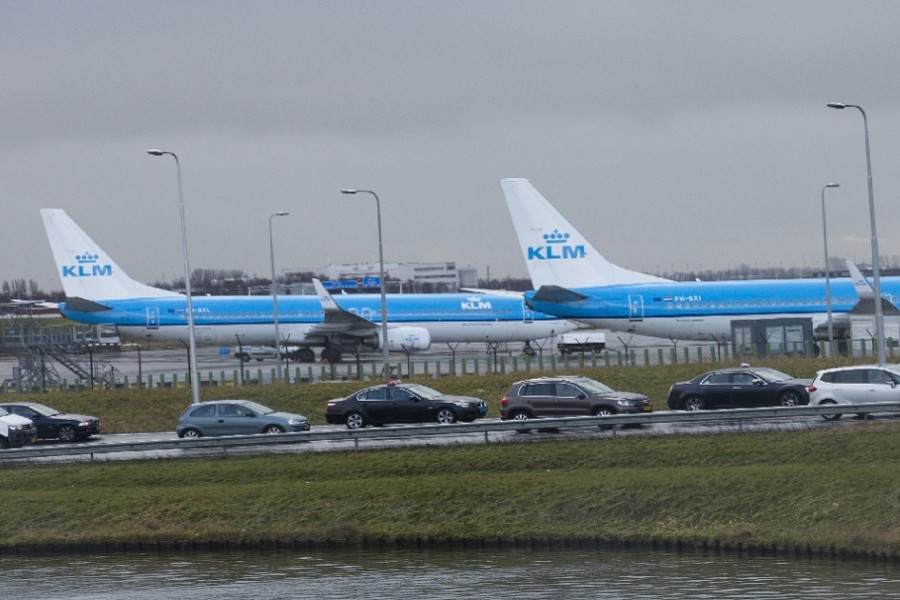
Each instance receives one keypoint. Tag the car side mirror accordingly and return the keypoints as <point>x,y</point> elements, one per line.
<point>759,382</point>
<point>581,396</point>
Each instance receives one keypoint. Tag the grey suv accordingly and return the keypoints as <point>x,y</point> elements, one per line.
<point>568,396</point>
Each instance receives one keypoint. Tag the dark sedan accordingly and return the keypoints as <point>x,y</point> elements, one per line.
<point>52,424</point>
<point>402,403</point>
<point>742,387</point>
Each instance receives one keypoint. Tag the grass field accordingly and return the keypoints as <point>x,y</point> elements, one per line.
<point>831,490</point>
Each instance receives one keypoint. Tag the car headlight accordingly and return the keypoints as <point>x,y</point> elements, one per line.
<point>84,424</point>
<point>628,402</point>
<point>16,427</point>
<point>296,421</point>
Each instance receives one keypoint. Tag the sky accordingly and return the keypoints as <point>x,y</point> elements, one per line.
<point>677,136</point>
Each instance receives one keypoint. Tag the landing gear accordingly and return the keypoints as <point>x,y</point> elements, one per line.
<point>331,354</point>
<point>527,349</point>
<point>304,355</point>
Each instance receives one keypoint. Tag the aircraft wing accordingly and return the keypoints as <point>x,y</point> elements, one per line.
<point>510,293</point>
<point>338,320</point>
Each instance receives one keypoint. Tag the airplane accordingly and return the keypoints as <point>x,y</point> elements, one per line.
<point>574,281</point>
<point>99,292</point>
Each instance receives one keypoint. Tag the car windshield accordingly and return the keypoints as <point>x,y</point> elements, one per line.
<point>592,385</point>
<point>771,374</point>
<point>43,410</point>
<point>258,408</point>
<point>3,412</point>
<point>424,391</point>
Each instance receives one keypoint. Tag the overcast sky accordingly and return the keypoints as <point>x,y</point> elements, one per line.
<point>675,135</point>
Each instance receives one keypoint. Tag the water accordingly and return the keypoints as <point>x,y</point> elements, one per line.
<point>513,574</point>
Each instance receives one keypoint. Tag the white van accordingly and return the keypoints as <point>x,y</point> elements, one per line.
<point>586,341</point>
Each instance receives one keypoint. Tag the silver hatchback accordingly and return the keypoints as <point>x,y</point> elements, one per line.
<point>236,417</point>
<point>860,384</point>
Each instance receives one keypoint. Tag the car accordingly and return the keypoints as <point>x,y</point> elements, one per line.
<point>568,396</point>
<point>259,353</point>
<point>740,387</point>
<point>15,431</point>
<point>52,424</point>
<point>236,417</point>
<point>398,402</point>
<point>854,385</point>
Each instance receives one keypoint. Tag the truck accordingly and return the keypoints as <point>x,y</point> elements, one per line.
<point>581,341</point>
<point>15,431</point>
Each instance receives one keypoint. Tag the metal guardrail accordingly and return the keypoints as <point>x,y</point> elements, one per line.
<point>484,427</point>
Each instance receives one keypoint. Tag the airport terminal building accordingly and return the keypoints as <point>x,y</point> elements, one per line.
<point>408,277</point>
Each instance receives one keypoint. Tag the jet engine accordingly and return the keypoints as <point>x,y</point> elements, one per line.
<point>412,339</point>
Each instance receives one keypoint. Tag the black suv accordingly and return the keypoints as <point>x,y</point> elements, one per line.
<point>566,396</point>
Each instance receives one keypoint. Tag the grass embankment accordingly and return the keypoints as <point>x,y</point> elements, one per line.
<point>835,489</point>
<point>824,491</point>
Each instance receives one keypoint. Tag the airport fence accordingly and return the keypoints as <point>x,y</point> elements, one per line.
<point>431,366</point>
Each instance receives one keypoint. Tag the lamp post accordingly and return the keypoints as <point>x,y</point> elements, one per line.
<point>192,345</point>
<point>280,213</point>
<point>879,313</point>
<point>827,274</point>
<point>385,356</point>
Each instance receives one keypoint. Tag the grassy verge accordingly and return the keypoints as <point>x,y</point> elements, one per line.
<point>829,489</point>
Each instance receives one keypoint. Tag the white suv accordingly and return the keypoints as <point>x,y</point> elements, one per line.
<point>855,385</point>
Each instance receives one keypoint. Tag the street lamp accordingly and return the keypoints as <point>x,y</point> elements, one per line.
<point>384,328</point>
<point>879,313</point>
<point>827,275</point>
<point>192,346</point>
<point>280,213</point>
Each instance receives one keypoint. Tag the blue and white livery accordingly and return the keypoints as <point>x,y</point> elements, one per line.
<point>574,281</point>
<point>98,291</point>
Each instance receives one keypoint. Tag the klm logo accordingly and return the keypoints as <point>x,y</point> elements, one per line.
<point>475,303</point>
<point>87,267</point>
<point>556,248</point>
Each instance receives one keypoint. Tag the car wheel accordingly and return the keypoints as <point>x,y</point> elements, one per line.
<point>273,429</point>
<point>604,411</point>
<point>355,420</point>
<point>243,357</point>
<point>190,434</point>
<point>520,415</point>
<point>791,398</point>
<point>66,433</point>
<point>833,417</point>
<point>445,416</point>
<point>694,403</point>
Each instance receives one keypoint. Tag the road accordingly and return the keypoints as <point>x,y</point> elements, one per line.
<point>796,423</point>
